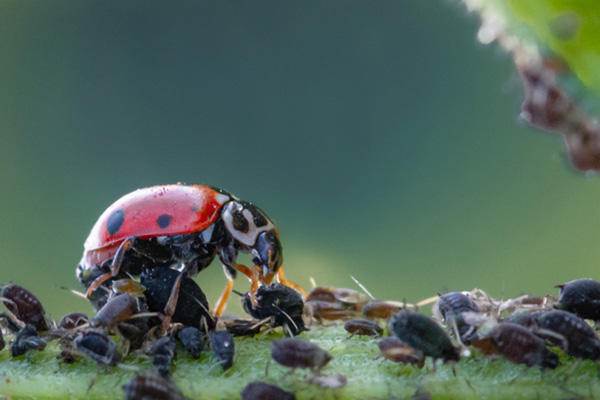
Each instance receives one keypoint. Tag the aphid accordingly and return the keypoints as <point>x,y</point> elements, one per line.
<point>73,320</point>
<point>330,303</point>
<point>361,326</point>
<point>224,348</point>
<point>163,352</point>
<point>191,307</point>
<point>244,327</point>
<point>381,309</point>
<point>151,387</point>
<point>296,353</point>
<point>451,307</point>
<point>180,224</point>
<point>27,339</point>
<point>264,391</point>
<point>518,344</point>
<point>128,285</point>
<point>281,303</point>
<point>581,297</point>
<point>98,346</point>
<point>527,320</point>
<point>396,350</point>
<point>326,310</point>
<point>136,329</point>
<point>424,334</point>
<point>25,306</point>
<point>581,340</point>
<point>192,340</point>
<point>118,309</point>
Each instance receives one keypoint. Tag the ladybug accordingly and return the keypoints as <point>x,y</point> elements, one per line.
<point>185,225</point>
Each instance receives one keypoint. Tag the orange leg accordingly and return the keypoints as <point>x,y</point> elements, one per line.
<point>285,282</point>
<point>115,266</point>
<point>222,302</point>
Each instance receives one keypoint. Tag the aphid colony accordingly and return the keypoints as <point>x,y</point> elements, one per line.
<point>525,330</point>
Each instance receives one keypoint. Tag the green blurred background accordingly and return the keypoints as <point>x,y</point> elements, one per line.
<point>381,138</point>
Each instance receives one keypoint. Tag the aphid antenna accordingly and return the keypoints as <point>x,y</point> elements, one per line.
<point>146,314</point>
<point>287,316</point>
<point>312,282</point>
<point>237,292</point>
<point>428,301</point>
<point>364,289</point>
<point>204,308</point>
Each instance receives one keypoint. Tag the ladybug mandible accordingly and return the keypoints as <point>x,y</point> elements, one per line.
<point>188,225</point>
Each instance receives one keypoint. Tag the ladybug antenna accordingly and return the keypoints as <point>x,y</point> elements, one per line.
<point>238,293</point>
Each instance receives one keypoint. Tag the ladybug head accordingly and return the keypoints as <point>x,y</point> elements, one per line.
<point>254,232</point>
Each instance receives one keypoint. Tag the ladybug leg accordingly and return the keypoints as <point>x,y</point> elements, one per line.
<point>285,282</point>
<point>222,302</point>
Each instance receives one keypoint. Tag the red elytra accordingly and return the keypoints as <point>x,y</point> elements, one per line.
<point>190,208</point>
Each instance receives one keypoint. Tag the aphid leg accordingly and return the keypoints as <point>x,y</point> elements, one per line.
<point>172,303</point>
<point>285,282</point>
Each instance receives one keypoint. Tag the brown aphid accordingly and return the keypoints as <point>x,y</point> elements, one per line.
<point>244,327</point>
<point>25,306</point>
<point>118,309</point>
<point>380,309</point>
<point>396,350</point>
<point>72,320</point>
<point>151,387</point>
<point>296,353</point>
<point>348,298</point>
<point>361,326</point>
<point>518,344</point>
<point>264,391</point>
<point>327,310</point>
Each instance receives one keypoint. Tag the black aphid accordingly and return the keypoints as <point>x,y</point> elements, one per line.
<point>423,333</point>
<point>163,352</point>
<point>192,306</point>
<point>264,391</point>
<point>25,306</point>
<point>362,326</point>
<point>581,340</point>
<point>192,340</point>
<point>27,339</point>
<point>98,346</point>
<point>582,297</point>
<point>296,353</point>
<point>224,348</point>
<point>280,302</point>
<point>451,307</point>
<point>151,387</point>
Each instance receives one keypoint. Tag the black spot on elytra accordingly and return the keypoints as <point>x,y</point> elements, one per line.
<point>239,222</point>
<point>164,220</point>
<point>114,222</point>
